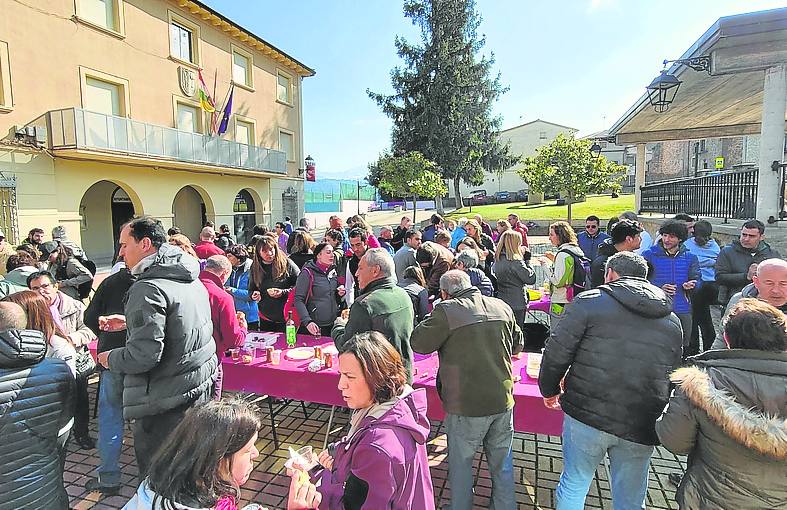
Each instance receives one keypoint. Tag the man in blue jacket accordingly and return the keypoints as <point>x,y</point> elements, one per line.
<point>675,270</point>
<point>592,237</point>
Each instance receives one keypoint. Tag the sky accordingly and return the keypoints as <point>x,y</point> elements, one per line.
<point>578,63</point>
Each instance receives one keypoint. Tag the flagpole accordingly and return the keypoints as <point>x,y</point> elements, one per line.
<point>213,113</point>
<point>223,105</point>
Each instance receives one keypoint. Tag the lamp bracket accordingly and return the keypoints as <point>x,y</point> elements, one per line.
<point>696,63</point>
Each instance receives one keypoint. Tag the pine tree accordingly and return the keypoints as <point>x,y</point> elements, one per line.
<point>443,94</point>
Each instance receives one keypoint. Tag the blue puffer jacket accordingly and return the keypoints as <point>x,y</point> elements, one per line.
<point>684,266</point>
<point>238,284</point>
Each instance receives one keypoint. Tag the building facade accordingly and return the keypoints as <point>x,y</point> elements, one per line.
<point>524,140</point>
<point>100,120</point>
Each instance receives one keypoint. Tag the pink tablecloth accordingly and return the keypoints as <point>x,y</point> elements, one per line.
<point>292,379</point>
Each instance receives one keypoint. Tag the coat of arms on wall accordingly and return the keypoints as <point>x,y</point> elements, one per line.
<point>187,79</point>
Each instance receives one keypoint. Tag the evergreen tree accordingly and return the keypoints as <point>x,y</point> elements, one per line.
<point>443,94</point>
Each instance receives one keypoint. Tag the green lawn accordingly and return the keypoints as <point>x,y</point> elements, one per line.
<point>602,206</point>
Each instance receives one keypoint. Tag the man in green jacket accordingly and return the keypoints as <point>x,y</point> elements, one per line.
<point>381,306</point>
<point>475,337</point>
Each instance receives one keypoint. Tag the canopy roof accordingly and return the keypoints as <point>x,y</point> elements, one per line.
<point>726,102</point>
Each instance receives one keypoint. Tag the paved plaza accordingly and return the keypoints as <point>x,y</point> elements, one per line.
<point>537,465</point>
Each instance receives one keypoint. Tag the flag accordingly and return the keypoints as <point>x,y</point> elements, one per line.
<point>205,101</point>
<point>225,118</point>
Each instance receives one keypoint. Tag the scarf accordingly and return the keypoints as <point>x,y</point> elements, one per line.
<point>374,411</point>
<point>54,309</point>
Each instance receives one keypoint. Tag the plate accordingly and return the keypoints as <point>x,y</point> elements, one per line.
<point>299,353</point>
<point>261,340</point>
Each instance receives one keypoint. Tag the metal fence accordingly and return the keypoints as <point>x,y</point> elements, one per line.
<point>728,195</point>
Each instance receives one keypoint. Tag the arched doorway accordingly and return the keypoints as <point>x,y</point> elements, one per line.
<point>244,213</point>
<point>190,212</point>
<point>104,208</point>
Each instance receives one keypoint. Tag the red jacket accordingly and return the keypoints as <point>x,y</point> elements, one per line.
<point>205,249</point>
<point>226,331</point>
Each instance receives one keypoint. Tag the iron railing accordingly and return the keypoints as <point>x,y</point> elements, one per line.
<point>728,195</point>
<point>75,128</point>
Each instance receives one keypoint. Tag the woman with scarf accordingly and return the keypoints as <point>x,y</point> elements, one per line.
<point>318,293</point>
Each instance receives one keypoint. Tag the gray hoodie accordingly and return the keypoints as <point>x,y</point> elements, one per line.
<point>170,357</point>
<point>16,280</point>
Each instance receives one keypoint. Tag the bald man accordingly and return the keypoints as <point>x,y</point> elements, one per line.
<point>769,284</point>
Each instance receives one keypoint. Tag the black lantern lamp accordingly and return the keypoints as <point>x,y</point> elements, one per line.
<point>662,90</point>
<point>595,150</point>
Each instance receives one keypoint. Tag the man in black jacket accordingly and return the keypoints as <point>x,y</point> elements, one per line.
<point>738,260</point>
<point>624,236</point>
<point>619,343</point>
<point>36,398</point>
<point>108,300</point>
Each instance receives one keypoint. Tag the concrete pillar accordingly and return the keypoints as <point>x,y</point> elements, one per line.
<point>774,103</point>
<point>639,176</point>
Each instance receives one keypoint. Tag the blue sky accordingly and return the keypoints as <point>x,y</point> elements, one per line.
<point>579,63</point>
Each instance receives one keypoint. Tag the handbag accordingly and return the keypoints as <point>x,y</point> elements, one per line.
<point>289,306</point>
<point>85,364</point>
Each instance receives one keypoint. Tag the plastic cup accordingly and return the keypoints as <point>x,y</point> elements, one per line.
<point>235,354</point>
<point>276,357</point>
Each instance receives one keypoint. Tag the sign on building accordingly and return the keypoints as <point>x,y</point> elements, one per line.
<point>720,163</point>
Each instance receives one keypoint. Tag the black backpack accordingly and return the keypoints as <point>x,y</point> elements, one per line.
<point>85,288</point>
<point>581,280</point>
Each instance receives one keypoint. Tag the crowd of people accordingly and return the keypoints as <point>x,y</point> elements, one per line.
<point>633,358</point>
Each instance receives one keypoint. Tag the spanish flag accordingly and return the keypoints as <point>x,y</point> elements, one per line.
<point>205,101</point>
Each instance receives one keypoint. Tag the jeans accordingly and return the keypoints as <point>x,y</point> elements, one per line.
<point>685,323</point>
<point>110,427</point>
<point>583,450</point>
<point>465,435</point>
<point>701,302</point>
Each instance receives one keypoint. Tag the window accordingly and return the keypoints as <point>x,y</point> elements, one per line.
<point>242,67</point>
<point>244,216</point>
<point>542,135</point>
<point>287,145</point>
<point>188,118</point>
<point>102,97</point>
<point>244,132</point>
<point>283,90</point>
<point>6,101</point>
<point>106,15</point>
<point>183,39</point>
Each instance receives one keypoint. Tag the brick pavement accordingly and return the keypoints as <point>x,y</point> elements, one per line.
<point>537,466</point>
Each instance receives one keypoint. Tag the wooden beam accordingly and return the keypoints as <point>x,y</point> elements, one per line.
<point>688,134</point>
<point>749,57</point>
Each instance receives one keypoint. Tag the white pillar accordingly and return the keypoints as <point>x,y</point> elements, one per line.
<point>774,103</point>
<point>639,176</point>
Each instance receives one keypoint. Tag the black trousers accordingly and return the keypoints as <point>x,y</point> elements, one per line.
<point>701,302</point>
<point>150,432</point>
<point>81,408</point>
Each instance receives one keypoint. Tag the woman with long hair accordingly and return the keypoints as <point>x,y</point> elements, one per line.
<point>206,460</point>
<point>560,268</point>
<point>238,284</point>
<point>513,273</point>
<point>484,242</point>
<point>707,251</point>
<point>272,278</point>
<point>69,272</point>
<point>381,462</point>
<point>302,250</point>
<point>414,283</point>
<point>318,293</point>
<point>501,226</point>
<point>184,243</point>
<point>40,319</point>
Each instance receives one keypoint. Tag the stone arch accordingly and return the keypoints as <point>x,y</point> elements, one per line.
<point>104,207</point>
<point>192,206</point>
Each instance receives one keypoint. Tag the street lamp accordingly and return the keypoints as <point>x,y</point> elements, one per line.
<point>595,150</point>
<point>662,90</point>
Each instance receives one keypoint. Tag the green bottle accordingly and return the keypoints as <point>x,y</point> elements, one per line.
<point>290,331</point>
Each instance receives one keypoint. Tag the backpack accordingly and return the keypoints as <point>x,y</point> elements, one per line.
<point>581,281</point>
<point>85,288</point>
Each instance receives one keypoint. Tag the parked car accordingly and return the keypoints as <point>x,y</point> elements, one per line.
<point>521,195</point>
<point>502,196</point>
<point>479,197</point>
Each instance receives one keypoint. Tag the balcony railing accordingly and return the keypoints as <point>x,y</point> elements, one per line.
<point>75,128</point>
<point>728,195</point>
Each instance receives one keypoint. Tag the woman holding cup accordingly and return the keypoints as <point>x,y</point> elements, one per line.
<point>318,293</point>
<point>272,278</point>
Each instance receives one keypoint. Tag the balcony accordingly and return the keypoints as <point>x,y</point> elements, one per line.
<point>75,128</point>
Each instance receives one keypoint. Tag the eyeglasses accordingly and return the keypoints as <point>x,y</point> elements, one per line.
<point>591,227</point>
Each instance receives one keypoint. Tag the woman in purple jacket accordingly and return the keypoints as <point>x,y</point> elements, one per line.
<point>381,462</point>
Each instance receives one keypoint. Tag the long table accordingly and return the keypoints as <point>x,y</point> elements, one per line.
<point>291,379</point>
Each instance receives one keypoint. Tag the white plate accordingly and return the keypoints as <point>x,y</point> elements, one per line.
<point>299,353</point>
<point>262,340</point>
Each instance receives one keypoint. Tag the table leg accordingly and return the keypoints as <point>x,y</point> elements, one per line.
<point>328,429</point>
<point>273,423</point>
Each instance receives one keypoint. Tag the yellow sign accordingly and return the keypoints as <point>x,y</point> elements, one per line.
<point>720,163</point>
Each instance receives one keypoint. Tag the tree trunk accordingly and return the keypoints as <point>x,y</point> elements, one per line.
<point>570,202</point>
<point>438,203</point>
<point>415,207</point>
<point>457,193</point>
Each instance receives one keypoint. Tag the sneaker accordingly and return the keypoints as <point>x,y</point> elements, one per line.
<point>675,478</point>
<point>94,484</point>
<point>85,442</point>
